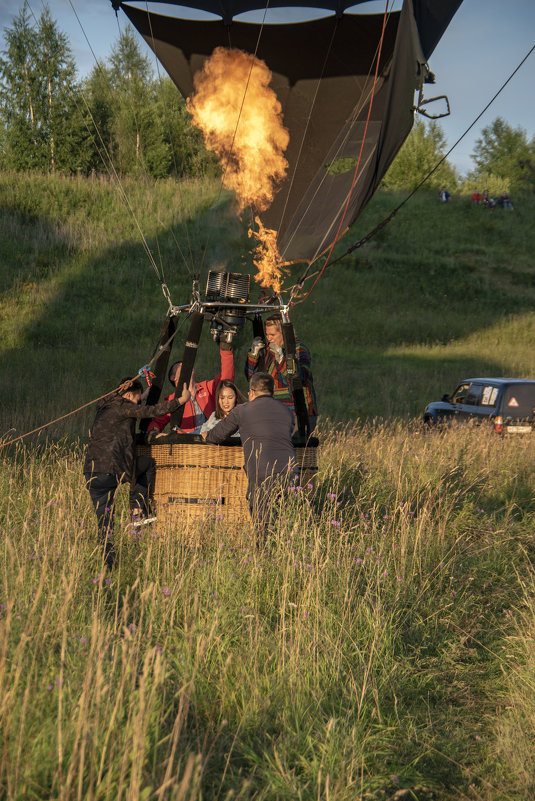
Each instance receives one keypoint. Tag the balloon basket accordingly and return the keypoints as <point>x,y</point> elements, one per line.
<point>196,480</point>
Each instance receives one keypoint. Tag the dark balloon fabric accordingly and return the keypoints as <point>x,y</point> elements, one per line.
<point>323,74</point>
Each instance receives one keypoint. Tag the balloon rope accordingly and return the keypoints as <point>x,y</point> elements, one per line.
<point>122,386</point>
<point>108,161</point>
<point>169,133</point>
<point>58,419</point>
<point>356,170</point>
<point>309,117</point>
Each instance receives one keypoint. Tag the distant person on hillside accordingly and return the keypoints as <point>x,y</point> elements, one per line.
<point>476,198</point>
<point>274,363</point>
<point>202,402</point>
<point>505,201</point>
<point>110,456</point>
<point>488,201</point>
<point>265,427</point>
<point>444,195</point>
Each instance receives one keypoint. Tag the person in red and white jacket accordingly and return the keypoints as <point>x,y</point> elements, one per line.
<point>202,403</point>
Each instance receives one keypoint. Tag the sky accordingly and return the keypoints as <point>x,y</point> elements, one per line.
<point>483,45</point>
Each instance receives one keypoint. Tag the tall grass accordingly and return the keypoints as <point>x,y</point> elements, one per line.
<point>380,646</point>
<point>367,650</point>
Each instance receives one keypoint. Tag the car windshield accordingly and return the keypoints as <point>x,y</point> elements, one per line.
<point>519,400</point>
<point>468,393</point>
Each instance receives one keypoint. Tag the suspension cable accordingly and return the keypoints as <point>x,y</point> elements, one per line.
<point>309,117</point>
<point>169,132</point>
<point>363,99</point>
<point>393,213</point>
<point>108,161</point>
<point>356,170</point>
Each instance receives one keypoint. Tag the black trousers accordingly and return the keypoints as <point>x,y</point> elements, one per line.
<point>103,486</point>
<point>143,487</point>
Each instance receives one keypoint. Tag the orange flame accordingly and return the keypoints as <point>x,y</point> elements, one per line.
<point>241,119</point>
<point>267,258</point>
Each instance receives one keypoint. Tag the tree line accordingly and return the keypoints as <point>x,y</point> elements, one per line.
<point>118,118</point>
<point>504,159</point>
<point>121,117</point>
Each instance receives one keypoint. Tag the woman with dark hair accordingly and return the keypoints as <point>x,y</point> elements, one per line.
<point>227,396</point>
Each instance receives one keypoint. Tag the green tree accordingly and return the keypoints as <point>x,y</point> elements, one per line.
<point>39,98</point>
<point>421,152</point>
<point>188,153</point>
<point>101,112</point>
<point>63,120</point>
<point>506,153</point>
<point>140,145</point>
<point>19,93</point>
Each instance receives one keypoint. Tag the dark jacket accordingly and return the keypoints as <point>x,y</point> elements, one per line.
<point>111,447</point>
<point>265,426</point>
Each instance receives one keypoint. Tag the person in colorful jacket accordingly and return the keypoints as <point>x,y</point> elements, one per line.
<point>274,364</point>
<point>202,403</point>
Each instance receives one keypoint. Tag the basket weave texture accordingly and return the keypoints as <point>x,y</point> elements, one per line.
<point>202,480</point>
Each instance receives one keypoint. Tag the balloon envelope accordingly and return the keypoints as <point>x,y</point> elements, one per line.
<point>323,74</point>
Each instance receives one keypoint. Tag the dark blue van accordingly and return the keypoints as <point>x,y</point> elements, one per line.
<point>507,403</point>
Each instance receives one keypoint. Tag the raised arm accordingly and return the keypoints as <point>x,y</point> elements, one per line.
<point>159,409</point>
<point>227,368</point>
<point>253,356</point>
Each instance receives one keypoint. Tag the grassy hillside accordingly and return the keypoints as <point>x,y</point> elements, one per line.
<point>381,647</point>
<point>441,293</point>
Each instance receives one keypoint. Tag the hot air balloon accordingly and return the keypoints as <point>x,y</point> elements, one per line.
<point>323,73</point>
<point>345,84</point>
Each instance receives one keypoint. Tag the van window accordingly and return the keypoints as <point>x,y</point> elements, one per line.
<point>488,398</point>
<point>468,394</point>
<point>459,396</point>
<point>519,400</point>
<point>473,396</point>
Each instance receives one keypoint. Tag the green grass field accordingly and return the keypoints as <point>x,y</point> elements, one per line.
<point>381,647</point>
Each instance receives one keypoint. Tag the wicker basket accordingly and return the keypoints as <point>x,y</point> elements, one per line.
<point>196,480</point>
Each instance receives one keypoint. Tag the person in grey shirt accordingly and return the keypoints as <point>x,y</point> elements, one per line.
<point>265,427</point>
